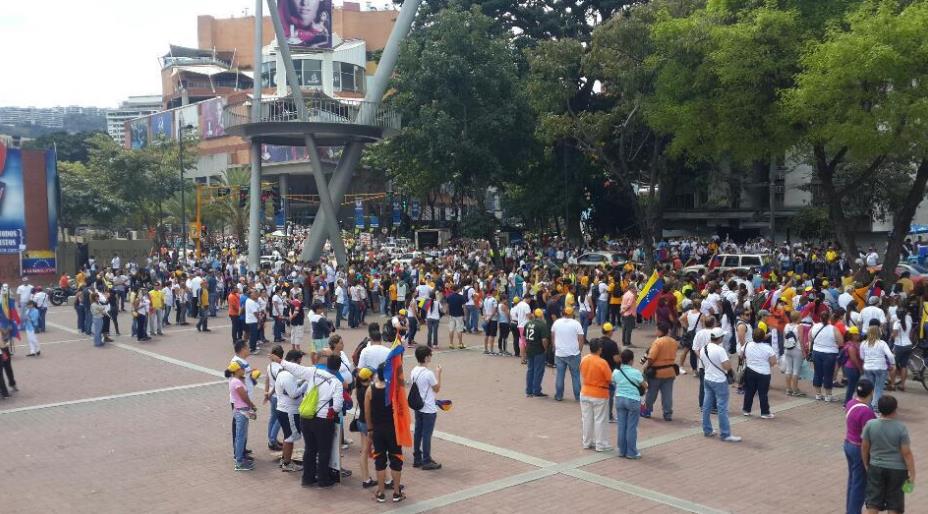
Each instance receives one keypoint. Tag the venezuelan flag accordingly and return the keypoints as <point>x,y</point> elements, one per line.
<point>396,393</point>
<point>924,319</point>
<point>9,316</point>
<point>647,298</point>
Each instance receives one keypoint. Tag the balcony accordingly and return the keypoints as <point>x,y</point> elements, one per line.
<point>332,122</point>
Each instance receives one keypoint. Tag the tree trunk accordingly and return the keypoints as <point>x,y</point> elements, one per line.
<point>825,171</point>
<point>902,220</point>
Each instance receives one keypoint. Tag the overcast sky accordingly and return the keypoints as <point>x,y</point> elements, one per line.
<point>96,53</point>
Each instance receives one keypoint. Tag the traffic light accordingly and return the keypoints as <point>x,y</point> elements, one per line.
<point>242,197</point>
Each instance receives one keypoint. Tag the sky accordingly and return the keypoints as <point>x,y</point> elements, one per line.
<point>97,52</point>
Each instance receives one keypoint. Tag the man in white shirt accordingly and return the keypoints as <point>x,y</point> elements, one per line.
<point>845,298</point>
<point>23,296</point>
<point>700,340</point>
<point>602,302</point>
<point>41,303</point>
<point>470,310</point>
<point>277,311</point>
<point>872,312</point>
<point>116,263</point>
<point>289,396</point>
<point>341,298</point>
<point>374,354</point>
<point>567,338</point>
<point>428,384</point>
<point>491,323</point>
<point>519,315</point>
<point>252,307</point>
<point>716,364</point>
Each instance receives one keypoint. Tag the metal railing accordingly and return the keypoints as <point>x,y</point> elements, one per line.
<point>320,110</point>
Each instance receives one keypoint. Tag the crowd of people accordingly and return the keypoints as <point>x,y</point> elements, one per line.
<point>810,311</point>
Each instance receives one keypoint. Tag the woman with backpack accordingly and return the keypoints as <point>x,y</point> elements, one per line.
<point>903,336</point>
<point>853,366</point>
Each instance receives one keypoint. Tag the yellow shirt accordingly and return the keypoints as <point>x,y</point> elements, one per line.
<point>157,300</point>
<point>613,299</point>
<point>831,256</point>
<point>393,292</point>
<point>787,296</point>
<point>569,300</point>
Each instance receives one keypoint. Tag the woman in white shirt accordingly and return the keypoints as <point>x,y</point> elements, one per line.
<point>877,359</point>
<point>585,308</point>
<point>758,356</point>
<point>903,330</point>
<point>693,321</point>
<point>793,355</point>
<point>824,341</point>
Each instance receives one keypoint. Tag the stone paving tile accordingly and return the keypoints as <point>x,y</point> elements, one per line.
<point>171,453</point>
<point>795,459</point>
<point>545,494</point>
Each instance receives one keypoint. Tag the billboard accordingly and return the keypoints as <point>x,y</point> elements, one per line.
<point>187,115</point>
<point>52,195</point>
<point>39,262</point>
<point>211,118</point>
<point>162,125</point>
<point>138,132</point>
<point>12,200</point>
<point>307,23</point>
<point>278,153</point>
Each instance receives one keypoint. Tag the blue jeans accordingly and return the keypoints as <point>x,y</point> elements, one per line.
<point>240,422</point>
<point>339,315</point>
<point>716,396</point>
<point>212,303</point>
<point>98,331</point>
<point>413,328</point>
<point>470,318</point>
<point>278,329</point>
<point>824,369</point>
<point>252,336</point>
<point>878,378</point>
<point>534,372</point>
<point>562,364</point>
<point>422,437</point>
<point>42,312</point>
<point>88,321</point>
<point>853,377</point>
<point>627,414</point>
<point>432,335</point>
<point>584,322</point>
<point>273,426</point>
<point>602,308</point>
<point>856,478</point>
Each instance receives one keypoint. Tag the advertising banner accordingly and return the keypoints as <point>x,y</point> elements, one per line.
<point>162,125</point>
<point>358,214</point>
<point>211,118</point>
<point>187,115</point>
<point>138,132</point>
<point>416,209</point>
<point>12,200</point>
<point>39,262</point>
<point>307,23</point>
<point>397,219</point>
<point>276,153</point>
<point>375,221</point>
<point>53,194</point>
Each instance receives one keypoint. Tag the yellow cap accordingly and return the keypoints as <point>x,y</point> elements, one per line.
<point>234,366</point>
<point>402,312</point>
<point>853,330</point>
<point>762,326</point>
<point>808,288</point>
<point>825,283</point>
<point>256,374</point>
<point>568,311</point>
<point>365,373</point>
<point>607,327</point>
<point>515,300</point>
<point>539,313</point>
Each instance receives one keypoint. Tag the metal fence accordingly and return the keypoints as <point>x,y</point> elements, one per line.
<point>320,110</point>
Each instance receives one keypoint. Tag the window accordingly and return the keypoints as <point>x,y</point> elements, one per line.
<point>750,260</point>
<point>731,261</point>
<point>268,74</point>
<point>311,72</point>
<point>347,77</point>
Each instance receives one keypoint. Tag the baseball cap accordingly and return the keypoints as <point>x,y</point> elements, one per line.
<point>515,300</point>
<point>853,330</point>
<point>365,373</point>
<point>717,333</point>
<point>539,313</point>
<point>234,366</point>
<point>402,312</point>
<point>607,327</point>
<point>762,326</point>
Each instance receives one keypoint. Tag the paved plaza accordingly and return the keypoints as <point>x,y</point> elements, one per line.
<point>144,427</point>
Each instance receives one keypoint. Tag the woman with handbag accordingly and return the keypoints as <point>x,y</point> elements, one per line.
<point>759,357</point>
<point>793,355</point>
<point>824,341</point>
<point>629,387</point>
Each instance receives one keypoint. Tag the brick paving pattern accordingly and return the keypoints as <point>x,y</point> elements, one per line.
<point>117,430</point>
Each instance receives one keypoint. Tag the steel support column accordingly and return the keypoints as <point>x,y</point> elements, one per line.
<point>254,193</point>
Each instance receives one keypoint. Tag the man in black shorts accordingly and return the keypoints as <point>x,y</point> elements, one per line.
<point>381,430</point>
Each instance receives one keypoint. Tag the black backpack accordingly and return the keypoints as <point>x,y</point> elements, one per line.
<point>414,399</point>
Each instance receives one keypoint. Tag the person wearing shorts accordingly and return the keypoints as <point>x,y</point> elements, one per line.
<point>455,304</point>
<point>887,456</point>
<point>793,355</point>
<point>382,432</point>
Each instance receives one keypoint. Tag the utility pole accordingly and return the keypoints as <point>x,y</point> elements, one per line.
<point>254,253</point>
<point>183,203</point>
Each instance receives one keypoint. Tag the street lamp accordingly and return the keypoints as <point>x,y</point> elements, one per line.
<point>183,205</point>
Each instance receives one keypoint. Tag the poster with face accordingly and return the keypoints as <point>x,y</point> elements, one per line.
<point>307,23</point>
<point>211,118</point>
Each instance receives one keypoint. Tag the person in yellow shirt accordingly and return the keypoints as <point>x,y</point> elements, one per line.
<point>80,279</point>
<point>203,311</point>
<point>156,316</point>
<point>787,295</point>
<point>394,304</point>
<point>615,301</point>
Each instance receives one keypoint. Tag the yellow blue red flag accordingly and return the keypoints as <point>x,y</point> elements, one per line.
<point>647,298</point>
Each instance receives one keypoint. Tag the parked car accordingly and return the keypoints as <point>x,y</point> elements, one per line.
<point>601,259</point>
<point>730,261</point>
<point>917,272</point>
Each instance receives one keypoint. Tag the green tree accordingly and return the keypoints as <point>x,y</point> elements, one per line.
<point>82,200</point>
<point>70,146</point>
<point>466,122</point>
<point>861,99</point>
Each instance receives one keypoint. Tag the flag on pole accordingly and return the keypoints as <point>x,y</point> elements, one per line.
<point>647,298</point>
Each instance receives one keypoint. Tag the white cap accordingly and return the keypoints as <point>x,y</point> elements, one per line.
<point>717,333</point>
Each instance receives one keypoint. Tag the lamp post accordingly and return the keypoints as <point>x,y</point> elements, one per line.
<point>183,204</point>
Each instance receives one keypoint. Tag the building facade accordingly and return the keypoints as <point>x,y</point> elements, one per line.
<point>133,107</point>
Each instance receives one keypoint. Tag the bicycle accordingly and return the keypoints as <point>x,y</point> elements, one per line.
<point>917,367</point>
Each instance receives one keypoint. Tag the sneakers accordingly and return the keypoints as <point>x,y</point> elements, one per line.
<point>732,439</point>
<point>380,497</point>
<point>829,399</point>
<point>245,466</point>
<point>710,434</point>
<point>367,484</point>
<point>767,416</point>
<point>745,413</point>
<point>819,397</point>
<point>290,467</point>
<point>430,466</point>
<point>274,446</point>
<point>398,497</point>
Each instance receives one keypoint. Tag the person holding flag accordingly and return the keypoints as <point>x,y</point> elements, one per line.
<point>647,298</point>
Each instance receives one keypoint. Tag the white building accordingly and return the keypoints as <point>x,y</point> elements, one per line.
<point>134,107</point>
